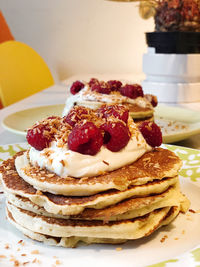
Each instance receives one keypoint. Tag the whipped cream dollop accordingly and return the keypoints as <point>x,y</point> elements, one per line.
<point>92,99</point>
<point>64,162</point>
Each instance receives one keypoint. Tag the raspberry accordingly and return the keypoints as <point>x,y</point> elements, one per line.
<point>114,85</point>
<point>151,133</point>
<point>93,81</point>
<point>117,111</point>
<point>76,87</point>
<point>132,90</point>
<point>85,139</point>
<point>116,135</point>
<point>152,99</point>
<point>38,137</point>
<point>101,87</point>
<point>75,115</point>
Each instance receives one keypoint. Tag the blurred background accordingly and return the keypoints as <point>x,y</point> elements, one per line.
<point>81,36</point>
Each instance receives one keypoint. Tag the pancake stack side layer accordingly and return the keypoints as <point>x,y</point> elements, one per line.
<point>108,205</point>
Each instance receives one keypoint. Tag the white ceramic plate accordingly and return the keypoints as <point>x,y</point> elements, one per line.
<point>180,248</point>
<point>176,123</point>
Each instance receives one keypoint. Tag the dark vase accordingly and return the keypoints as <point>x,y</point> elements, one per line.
<point>174,42</point>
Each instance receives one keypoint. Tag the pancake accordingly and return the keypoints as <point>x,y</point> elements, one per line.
<point>68,242</point>
<point>127,209</point>
<point>153,165</point>
<point>124,229</point>
<point>66,205</point>
<point>139,121</point>
<point>72,241</point>
<point>135,111</point>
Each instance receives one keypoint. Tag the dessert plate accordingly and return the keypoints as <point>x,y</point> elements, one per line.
<point>178,244</point>
<point>176,123</point>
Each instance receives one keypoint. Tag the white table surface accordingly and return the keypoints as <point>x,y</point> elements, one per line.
<point>57,95</point>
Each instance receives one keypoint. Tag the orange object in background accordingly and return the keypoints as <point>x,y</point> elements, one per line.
<point>5,33</point>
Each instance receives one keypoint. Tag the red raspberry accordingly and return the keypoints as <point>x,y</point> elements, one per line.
<point>76,87</point>
<point>132,90</point>
<point>75,115</point>
<point>101,87</point>
<point>116,135</point>
<point>151,133</point>
<point>152,99</point>
<point>93,81</point>
<point>38,137</point>
<point>117,111</point>
<point>114,85</point>
<point>85,139</point>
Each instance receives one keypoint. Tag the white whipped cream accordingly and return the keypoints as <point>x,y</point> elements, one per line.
<point>87,97</point>
<point>64,162</point>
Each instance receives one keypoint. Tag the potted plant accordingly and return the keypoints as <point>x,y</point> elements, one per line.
<point>177,24</point>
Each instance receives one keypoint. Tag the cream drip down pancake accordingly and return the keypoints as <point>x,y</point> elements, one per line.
<point>95,93</point>
<point>92,176</point>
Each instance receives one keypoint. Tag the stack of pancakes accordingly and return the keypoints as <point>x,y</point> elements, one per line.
<point>125,204</point>
<point>140,108</point>
<point>137,112</point>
